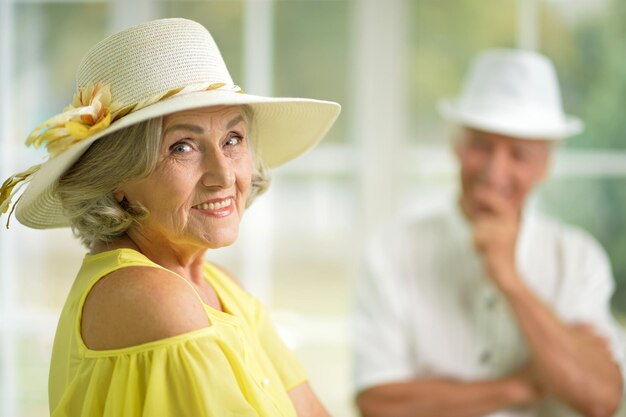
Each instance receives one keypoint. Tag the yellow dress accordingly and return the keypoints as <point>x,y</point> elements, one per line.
<point>236,367</point>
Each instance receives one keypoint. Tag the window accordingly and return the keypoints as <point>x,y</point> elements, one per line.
<point>387,63</point>
<point>582,38</point>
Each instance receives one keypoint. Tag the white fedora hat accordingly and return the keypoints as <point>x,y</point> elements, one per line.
<point>151,70</point>
<point>514,93</point>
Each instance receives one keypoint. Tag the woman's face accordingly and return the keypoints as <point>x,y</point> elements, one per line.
<point>197,193</point>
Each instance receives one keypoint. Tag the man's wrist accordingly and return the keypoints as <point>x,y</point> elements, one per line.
<point>505,276</point>
<point>520,390</point>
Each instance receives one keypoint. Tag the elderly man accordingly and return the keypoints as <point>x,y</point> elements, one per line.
<point>490,308</point>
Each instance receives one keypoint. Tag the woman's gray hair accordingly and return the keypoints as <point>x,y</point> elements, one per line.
<point>86,189</point>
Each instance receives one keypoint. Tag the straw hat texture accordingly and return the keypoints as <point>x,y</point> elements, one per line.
<point>151,70</point>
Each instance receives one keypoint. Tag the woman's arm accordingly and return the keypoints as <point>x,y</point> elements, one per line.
<point>306,402</point>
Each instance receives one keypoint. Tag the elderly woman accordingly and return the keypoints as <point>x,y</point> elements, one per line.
<point>152,165</point>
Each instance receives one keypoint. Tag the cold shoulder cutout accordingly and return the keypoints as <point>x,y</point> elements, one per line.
<point>137,305</point>
<point>237,366</point>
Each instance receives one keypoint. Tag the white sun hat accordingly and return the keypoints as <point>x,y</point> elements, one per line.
<point>514,93</point>
<point>146,71</point>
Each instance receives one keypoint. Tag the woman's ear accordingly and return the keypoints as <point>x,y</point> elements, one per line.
<point>119,196</point>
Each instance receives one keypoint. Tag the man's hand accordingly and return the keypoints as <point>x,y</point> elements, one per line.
<point>495,233</point>
<point>529,389</point>
<point>590,335</point>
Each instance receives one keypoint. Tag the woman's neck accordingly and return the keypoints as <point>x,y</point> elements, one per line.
<point>187,263</point>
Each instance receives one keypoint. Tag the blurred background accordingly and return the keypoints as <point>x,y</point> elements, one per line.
<point>387,62</point>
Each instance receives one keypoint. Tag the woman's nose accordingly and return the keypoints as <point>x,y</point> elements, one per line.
<point>218,170</point>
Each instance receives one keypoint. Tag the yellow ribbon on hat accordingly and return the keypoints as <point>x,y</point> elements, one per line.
<point>9,185</point>
<point>92,110</point>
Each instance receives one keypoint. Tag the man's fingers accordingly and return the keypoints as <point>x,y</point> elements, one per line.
<point>590,333</point>
<point>493,202</point>
<point>483,231</point>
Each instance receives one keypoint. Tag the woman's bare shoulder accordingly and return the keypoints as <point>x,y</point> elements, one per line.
<point>137,305</point>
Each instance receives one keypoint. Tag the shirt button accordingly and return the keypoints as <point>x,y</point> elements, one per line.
<point>265,382</point>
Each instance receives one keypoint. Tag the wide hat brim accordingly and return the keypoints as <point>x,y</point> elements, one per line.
<point>510,123</point>
<point>283,128</point>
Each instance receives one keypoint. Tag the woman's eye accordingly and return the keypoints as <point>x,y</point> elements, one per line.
<point>181,147</point>
<point>233,140</point>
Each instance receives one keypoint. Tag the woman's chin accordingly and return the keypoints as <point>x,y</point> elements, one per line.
<point>221,240</point>
<point>219,245</point>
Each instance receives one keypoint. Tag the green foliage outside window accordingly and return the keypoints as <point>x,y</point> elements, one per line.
<point>588,51</point>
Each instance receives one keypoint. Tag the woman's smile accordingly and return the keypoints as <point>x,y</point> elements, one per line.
<point>218,207</point>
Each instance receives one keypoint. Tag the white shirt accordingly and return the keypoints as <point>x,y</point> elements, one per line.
<point>425,307</point>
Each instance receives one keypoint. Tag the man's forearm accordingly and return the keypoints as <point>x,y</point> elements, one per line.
<point>567,365</point>
<point>445,398</point>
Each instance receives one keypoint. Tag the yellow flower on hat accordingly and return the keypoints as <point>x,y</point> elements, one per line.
<point>92,111</point>
<point>89,113</point>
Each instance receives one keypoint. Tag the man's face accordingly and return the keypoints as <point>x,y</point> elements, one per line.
<point>507,168</point>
